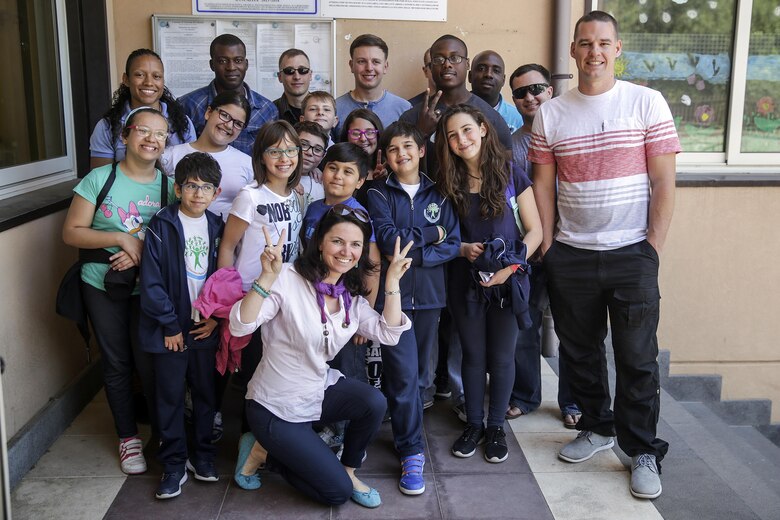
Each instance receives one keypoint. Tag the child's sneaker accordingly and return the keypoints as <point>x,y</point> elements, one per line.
<point>466,445</point>
<point>216,429</point>
<point>170,484</point>
<point>495,448</point>
<point>203,470</point>
<point>412,481</point>
<point>131,456</point>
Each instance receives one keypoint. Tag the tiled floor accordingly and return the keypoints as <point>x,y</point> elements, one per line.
<point>79,478</point>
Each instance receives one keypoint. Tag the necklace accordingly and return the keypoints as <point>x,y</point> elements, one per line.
<point>474,177</point>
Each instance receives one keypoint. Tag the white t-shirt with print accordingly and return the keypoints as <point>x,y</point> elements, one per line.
<point>261,207</point>
<point>196,254</point>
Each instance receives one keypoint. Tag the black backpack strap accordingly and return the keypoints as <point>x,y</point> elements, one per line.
<point>106,187</point>
<point>163,190</point>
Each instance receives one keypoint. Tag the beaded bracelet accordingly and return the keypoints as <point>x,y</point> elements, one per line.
<point>265,293</point>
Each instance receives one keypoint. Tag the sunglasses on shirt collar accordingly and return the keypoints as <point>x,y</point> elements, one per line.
<point>535,90</point>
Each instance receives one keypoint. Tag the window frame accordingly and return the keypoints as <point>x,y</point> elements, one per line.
<point>733,160</point>
<point>17,180</point>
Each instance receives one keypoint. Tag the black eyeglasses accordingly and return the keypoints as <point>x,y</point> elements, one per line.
<point>454,59</point>
<point>289,71</point>
<point>535,90</point>
<point>315,148</point>
<point>191,187</point>
<point>344,211</point>
<point>227,118</point>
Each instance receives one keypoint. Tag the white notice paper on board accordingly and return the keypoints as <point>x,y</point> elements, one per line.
<point>184,47</point>
<point>273,38</point>
<point>254,7</point>
<point>312,38</point>
<point>417,10</point>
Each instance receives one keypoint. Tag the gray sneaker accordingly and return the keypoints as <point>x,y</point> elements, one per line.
<point>586,445</point>
<point>645,482</point>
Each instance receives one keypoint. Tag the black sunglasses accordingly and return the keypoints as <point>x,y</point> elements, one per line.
<point>535,90</point>
<point>344,210</point>
<point>289,71</point>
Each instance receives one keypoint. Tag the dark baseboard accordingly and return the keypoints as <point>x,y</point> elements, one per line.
<point>37,436</point>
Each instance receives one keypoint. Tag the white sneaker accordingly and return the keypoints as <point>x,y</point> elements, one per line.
<point>131,456</point>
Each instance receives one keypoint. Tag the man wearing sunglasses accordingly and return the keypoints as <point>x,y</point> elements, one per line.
<point>229,63</point>
<point>295,76</point>
<point>487,77</point>
<point>368,63</point>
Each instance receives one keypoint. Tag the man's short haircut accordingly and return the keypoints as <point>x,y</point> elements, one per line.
<point>450,37</point>
<point>310,127</point>
<point>291,53</point>
<point>368,40</point>
<point>349,153</point>
<point>531,67</point>
<point>225,40</point>
<point>198,166</point>
<point>598,16</point>
<point>400,129</point>
<point>318,95</point>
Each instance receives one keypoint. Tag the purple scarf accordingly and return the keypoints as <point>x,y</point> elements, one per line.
<point>334,290</point>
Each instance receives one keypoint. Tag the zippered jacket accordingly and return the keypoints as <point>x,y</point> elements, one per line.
<point>393,213</point>
<point>165,299</point>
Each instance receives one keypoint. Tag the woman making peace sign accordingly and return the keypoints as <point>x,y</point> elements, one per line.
<point>308,311</point>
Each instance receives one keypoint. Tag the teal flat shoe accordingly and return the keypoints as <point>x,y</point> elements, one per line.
<point>368,499</point>
<point>244,449</point>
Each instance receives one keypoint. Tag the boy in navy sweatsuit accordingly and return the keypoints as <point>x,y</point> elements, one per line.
<point>180,253</point>
<point>408,205</point>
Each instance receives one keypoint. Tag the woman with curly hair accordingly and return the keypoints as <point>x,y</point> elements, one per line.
<point>143,84</point>
<point>480,181</point>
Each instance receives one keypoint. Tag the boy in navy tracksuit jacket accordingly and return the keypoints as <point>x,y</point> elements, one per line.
<point>408,205</point>
<point>180,253</point>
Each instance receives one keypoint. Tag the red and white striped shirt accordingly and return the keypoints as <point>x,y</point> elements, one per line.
<point>600,145</point>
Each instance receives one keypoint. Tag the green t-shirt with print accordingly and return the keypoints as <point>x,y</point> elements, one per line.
<point>128,207</point>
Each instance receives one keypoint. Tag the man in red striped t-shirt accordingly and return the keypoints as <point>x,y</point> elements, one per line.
<point>611,147</point>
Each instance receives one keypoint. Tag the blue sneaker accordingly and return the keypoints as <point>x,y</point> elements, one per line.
<point>412,481</point>
<point>170,484</point>
<point>204,470</point>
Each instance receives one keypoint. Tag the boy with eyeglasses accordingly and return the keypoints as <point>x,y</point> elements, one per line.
<point>368,64</point>
<point>295,76</point>
<point>180,253</point>
<point>313,140</point>
<point>230,64</point>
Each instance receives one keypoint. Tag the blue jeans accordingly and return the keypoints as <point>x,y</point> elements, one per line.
<point>404,373</point>
<point>297,453</point>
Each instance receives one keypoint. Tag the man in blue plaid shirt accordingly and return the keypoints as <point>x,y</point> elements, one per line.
<point>229,63</point>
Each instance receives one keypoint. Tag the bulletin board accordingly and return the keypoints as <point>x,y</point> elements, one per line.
<point>183,44</point>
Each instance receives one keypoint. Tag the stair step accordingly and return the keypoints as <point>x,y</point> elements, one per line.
<point>700,387</point>
<point>743,412</point>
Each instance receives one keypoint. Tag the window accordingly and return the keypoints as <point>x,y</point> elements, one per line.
<point>716,62</point>
<point>36,146</point>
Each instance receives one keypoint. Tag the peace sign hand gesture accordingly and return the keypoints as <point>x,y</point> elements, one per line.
<point>399,264</point>
<point>271,257</point>
<point>429,114</point>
